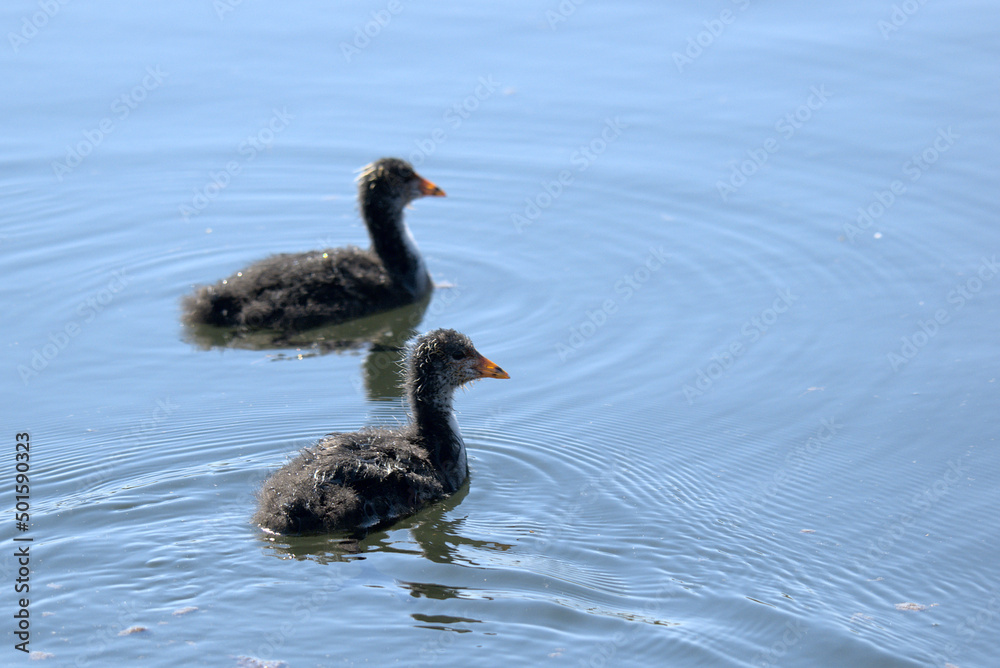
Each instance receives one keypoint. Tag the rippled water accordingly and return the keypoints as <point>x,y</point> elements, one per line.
<point>739,259</point>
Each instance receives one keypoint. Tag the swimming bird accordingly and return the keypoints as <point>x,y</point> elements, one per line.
<point>296,291</point>
<point>370,478</point>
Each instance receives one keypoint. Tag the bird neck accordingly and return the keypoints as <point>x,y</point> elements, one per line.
<point>393,243</point>
<point>437,428</point>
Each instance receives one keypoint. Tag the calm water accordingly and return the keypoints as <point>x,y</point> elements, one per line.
<point>739,258</point>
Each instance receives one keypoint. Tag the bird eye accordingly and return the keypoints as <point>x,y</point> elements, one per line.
<point>457,355</point>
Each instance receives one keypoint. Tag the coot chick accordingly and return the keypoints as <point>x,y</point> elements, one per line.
<point>296,291</point>
<point>375,476</point>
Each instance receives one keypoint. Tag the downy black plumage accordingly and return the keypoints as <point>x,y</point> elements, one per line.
<point>373,477</point>
<point>297,291</point>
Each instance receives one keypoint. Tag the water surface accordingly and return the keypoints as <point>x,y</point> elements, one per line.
<point>739,258</point>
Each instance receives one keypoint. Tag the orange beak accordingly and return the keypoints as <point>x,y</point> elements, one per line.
<point>488,369</point>
<point>427,188</point>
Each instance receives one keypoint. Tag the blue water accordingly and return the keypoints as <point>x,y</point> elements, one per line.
<point>739,258</point>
